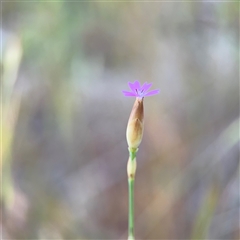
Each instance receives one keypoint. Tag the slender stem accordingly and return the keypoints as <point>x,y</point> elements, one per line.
<point>131,209</point>
<point>131,178</point>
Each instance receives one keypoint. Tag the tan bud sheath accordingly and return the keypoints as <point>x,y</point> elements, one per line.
<point>135,124</point>
<point>131,168</point>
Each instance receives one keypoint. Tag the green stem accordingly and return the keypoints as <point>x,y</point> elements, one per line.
<point>132,155</point>
<point>131,209</point>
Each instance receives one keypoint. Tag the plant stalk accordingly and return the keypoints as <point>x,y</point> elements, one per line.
<point>131,179</point>
<point>131,209</point>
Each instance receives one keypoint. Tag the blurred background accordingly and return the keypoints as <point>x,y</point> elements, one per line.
<point>64,152</point>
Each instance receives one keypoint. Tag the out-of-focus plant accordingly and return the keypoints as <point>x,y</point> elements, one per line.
<point>10,103</point>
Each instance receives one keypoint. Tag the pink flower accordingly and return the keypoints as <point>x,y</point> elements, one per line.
<point>139,91</point>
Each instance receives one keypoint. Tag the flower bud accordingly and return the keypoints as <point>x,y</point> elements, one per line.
<point>131,168</point>
<point>135,125</point>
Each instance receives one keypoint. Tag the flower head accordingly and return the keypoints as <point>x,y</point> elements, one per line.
<point>140,91</point>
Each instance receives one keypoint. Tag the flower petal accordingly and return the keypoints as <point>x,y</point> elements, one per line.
<point>137,85</point>
<point>153,92</point>
<point>132,86</point>
<point>129,94</point>
<point>146,86</point>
